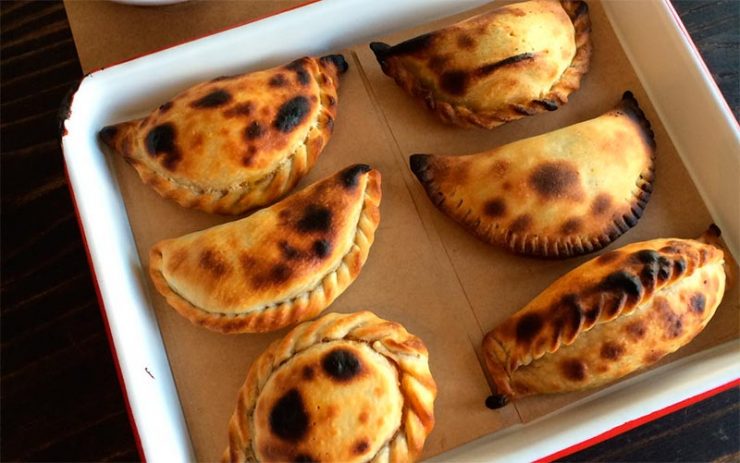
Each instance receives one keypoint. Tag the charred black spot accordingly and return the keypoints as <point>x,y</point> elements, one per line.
<point>288,417</point>
<point>108,134</point>
<point>630,108</point>
<point>298,66</point>
<point>254,130</point>
<point>569,313</point>
<point>241,109</point>
<point>278,80</point>
<point>495,208</point>
<point>672,322</point>
<point>321,248</point>
<point>547,104</point>
<point>412,46</point>
<point>351,174</point>
<point>572,225</point>
<point>331,100</point>
<point>648,276</point>
<point>161,141</point>
<point>664,269</point>
<point>165,107</point>
<point>361,447</point>
<point>574,370</point>
<point>496,401</point>
<point>341,364</point>
<point>623,282</point>
<point>679,266</point>
<point>492,67</point>
<point>288,251</point>
<point>280,273</point>
<point>315,219</point>
<point>212,100</point>
<point>646,256</point>
<point>308,373</point>
<point>602,203</point>
<point>528,327</point>
<point>611,351</point>
<point>592,314</point>
<point>419,164</point>
<point>554,179</point>
<point>697,303</point>
<point>521,224</point>
<point>291,114</point>
<point>304,458</point>
<point>454,82</point>
<point>338,61</point>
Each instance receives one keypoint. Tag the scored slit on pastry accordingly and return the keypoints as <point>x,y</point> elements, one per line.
<point>560,194</point>
<point>617,313</point>
<point>281,265</point>
<point>514,61</point>
<point>344,387</point>
<point>236,142</point>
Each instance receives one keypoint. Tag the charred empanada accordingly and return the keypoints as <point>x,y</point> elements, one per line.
<point>560,194</point>
<point>349,388</point>
<point>619,312</point>
<point>235,143</point>
<point>280,265</point>
<point>514,61</point>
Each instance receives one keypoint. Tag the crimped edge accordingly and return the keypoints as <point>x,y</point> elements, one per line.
<point>570,81</point>
<point>534,245</point>
<point>248,195</point>
<point>501,364</point>
<point>277,314</point>
<point>407,352</point>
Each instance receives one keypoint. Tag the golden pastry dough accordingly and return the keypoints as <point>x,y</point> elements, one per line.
<point>514,61</point>
<point>281,265</point>
<point>560,194</point>
<point>619,312</point>
<point>235,143</point>
<point>344,387</point>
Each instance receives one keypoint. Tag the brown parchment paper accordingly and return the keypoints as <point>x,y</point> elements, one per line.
<point>423,270</point>
<point>498,283</point>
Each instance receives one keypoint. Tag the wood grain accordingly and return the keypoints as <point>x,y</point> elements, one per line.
<point>60,397</point>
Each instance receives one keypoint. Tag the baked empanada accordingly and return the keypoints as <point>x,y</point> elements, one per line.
<point>235,143</point>
<point>567,192</point>
<point>619,312</point>
<point>514,61</point>
<point>345,388</point>
<point>280,265</point>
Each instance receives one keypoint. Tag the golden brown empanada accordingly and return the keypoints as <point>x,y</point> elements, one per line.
<point>514,61</point>
<point>560,194</point>
<point>619,312</point>
<point>280,265</point>
<point>342,388</point>
<point>235,143</point>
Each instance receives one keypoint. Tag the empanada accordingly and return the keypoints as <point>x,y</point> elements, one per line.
<point>235,143</point>
<point>514,61</point>
<point>280,265</point>
<point>619,312</point>
<point>345,388</point>
<point>560,194</point>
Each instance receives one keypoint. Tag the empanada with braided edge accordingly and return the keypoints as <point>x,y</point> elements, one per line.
<point>615,314</point>
<point>344,387</point>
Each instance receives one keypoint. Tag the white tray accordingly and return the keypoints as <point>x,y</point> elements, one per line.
<point>689,104</point>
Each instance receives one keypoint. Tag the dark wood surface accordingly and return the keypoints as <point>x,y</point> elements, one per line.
<point>59,395</point>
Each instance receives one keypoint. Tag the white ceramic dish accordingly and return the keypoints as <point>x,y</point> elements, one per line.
<point>691,107</point>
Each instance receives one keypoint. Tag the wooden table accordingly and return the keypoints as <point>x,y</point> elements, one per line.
<point>61,400</point>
